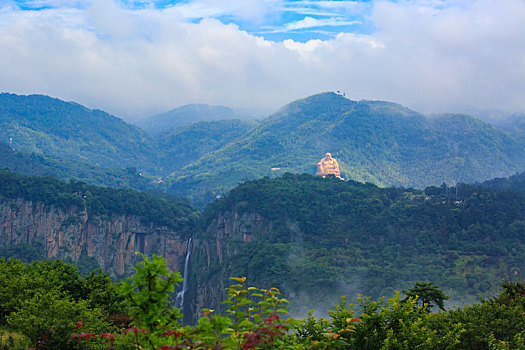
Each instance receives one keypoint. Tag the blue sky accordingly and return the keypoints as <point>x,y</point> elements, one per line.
<point>137,58</point>
<point>299,20</point>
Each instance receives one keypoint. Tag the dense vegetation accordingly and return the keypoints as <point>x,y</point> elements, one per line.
<point>66,169</point>
<point>44,301</point>
<point>48,305</point>
<point>187,144</point>
<point>169,211</point>
<point>514,125</point>
<point>329,237</point>
<point>52,127</point>
<point>373,141</point>
<point>513,183</point>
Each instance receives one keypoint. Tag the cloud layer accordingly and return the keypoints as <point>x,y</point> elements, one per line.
<point>135,61</point>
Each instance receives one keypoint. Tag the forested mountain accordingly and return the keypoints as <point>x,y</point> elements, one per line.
<point>313,238</point>
<point>175,212</point>
<point>514,125</point>
<point>317,239</point>
<point>41,217</point>
<point>52,127</point>
<point>66,169</point>
<point>188,143</point>
<point>373,141</point>
<point>187,114</point>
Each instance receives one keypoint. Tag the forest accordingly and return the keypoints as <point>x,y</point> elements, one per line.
<point>161,209</point>
<point>49,305</point>
<point>330,237</point>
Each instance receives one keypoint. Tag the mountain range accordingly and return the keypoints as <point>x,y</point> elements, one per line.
<point>313,238</point>
<point>374,141</point>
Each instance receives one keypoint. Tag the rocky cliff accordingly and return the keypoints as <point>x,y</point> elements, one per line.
<point>211,268</point>
<point>71,233</point>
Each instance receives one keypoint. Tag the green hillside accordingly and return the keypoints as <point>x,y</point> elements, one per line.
<point>66,169</point>
<point>188,143</point>
<point>373,141</point>
<point>514,125</point>
<point>43,125</point>
<point>327,237</point>
<point>184,115</point>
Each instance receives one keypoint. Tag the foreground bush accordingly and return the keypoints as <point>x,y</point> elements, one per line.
<point>141,316</point>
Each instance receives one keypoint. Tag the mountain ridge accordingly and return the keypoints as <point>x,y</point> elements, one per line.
<point>375,141</point>
<point>188,114</point>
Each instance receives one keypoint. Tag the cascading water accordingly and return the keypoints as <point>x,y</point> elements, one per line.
<point>179,299</point>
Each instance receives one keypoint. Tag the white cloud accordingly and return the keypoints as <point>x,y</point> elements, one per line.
<point>310,22</point>
<point>247,10</point>
<point>136,62</point>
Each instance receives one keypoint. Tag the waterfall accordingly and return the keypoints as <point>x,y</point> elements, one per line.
<point>179,299</point>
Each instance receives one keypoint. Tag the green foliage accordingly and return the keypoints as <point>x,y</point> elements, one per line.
<point>147,295</point>
<point>25,280</point>
<point>10,340</point>
<point>428,294</point>
<point>484,323</point>
<point>188,143</point>
<point>373,141</point>
<point>174,213</point>
<point>44,301</point>
<point>23,251</point>
<point>66,169</point>
<point>314,238</point>
<point>384,324</point>
<point>51,316</point>
<point>49,126</point>
<point>50,319</point>
<point>511,183</point>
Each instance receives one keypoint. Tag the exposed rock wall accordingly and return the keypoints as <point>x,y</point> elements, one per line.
<point>222,240</point>
<point>112,240</point>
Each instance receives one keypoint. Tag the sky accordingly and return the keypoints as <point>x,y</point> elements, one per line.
<point>137,58</point>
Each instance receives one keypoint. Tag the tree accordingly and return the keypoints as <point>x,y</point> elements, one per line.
<point>428,294</point>
<point>49,319</point>
<point>147,295</point>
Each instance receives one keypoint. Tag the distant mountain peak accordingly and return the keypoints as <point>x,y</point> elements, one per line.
<point>187,114</point>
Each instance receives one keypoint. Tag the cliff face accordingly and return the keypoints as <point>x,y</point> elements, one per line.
<point>112,240</point>
<point>223,239</point>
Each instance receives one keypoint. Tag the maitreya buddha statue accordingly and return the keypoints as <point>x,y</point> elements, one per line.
<point>327,166</point>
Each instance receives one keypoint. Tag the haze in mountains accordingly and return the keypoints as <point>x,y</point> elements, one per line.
<point>374,141</point>
<point>514,125</point>
<point>188,114</point>
<point>313,238</point>
<point>316,239</point>
<point>52,127</point>
<point>188,143</point>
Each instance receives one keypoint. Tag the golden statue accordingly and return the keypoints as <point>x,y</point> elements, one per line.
<point>328,165</point>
